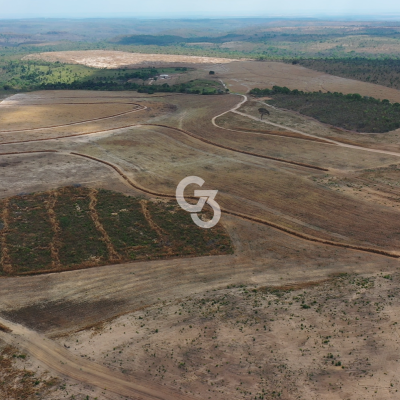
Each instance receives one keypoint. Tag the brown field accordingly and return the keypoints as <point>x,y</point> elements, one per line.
<point>300,210</point>
<point>242,76</point>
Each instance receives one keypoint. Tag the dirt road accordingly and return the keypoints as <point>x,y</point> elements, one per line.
<point>265,121</point>
<point>60,360</point>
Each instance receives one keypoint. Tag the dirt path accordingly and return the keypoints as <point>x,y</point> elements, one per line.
<point>62,361</point>
<point>265,121</point>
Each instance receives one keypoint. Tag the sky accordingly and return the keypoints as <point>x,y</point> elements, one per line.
<point>194,8</point>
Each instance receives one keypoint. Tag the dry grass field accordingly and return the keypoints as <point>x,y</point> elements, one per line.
<point>305,307</point>
<point>242,76</point>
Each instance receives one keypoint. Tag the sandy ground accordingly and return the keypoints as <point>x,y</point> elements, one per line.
<point>322,342</point>
<point>117,59</point>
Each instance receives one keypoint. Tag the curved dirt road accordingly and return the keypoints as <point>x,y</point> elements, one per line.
<point>59,359</point>
<point>265,121</point>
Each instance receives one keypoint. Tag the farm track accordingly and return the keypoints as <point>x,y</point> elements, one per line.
<point>64,362</point>
<point>153,225</point>
<point>306,135</point>
<point>270,133</point>
<point>330,141</point>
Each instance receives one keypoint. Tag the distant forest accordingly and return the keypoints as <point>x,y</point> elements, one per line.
<point>348,111</point>
<point>384,72</point>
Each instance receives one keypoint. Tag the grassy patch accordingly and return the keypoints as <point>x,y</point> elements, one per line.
<point>136,229</point>
<point>123,220</point>
<point>29,233</point>
<point>80,241</point>
<point>351,111</point>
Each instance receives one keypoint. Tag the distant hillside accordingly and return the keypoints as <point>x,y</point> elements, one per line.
<point>167,40</point>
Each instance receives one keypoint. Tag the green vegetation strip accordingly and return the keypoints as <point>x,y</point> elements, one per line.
<point>81,243</point>
<point>137,230</point>
<point>128,229</point>
<point>184,237</point>
<point>30,233</point>
<point>350,111</point>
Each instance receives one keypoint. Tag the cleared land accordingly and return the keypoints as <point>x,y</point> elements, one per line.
<point>242,76</point>
<point>147,153</point>
<point>118,59</point>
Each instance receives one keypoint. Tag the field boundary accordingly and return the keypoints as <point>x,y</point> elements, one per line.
<point>240,151</point>
<point>335,142</point>
<point>271,133</point>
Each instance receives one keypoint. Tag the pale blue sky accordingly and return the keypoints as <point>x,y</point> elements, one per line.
<point>179,8</point>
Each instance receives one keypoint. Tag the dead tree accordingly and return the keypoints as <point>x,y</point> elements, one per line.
<point>263,111</point>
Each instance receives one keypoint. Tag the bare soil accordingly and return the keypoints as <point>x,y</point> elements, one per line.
<point>118,59</point>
